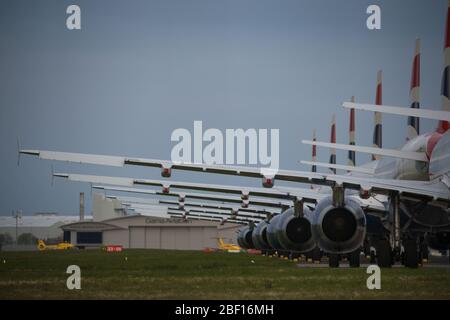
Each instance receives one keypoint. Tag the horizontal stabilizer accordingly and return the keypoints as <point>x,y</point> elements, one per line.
<point>417,156</point>
<point>402,111</point>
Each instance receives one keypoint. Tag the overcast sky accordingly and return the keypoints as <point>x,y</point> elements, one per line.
<point>140,69</point>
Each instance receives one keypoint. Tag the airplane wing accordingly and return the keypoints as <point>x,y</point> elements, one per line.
<point>309,196</point>
<point>167,166</point>
<point>418,156</point>
<point>382,186</point>
<point>402,111</point>
<point>217,212</point>
<point>208,217</point>
<point>339,167</point>
<point>140,201</point>
<point>202,196</point>
<point>435,190</point>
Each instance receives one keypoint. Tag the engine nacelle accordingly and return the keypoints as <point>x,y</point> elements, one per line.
<point>271,232</point>
<point>245,238</point>
<point>339,229</point>
<point>259,236</point>
<point>439,241</point>
<point>294,233</point>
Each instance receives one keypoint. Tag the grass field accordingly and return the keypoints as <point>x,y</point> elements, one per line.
<point>157,274</point>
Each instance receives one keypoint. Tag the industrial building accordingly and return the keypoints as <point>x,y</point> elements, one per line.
<point>144,232</point>
<point>41,225</point>
<point>154,229</point>
<point>112,224</point>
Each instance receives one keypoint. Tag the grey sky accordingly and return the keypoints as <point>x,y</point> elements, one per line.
<point>140,69</point>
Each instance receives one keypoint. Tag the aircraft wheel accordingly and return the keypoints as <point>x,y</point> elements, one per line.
<point>411,257</point>
<point>355,259</point>
<point>366,248</point>
<point>373,257</point>
<point>384,254</point>
<point>316,254</point>
<point>333,260</point>
<point>424,251</point>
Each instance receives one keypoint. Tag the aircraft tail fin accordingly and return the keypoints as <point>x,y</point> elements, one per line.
<point>413,122</point>
<point>351,153</point>
<point>378,133</point>
<point>333,140</point>
<point>445,85</point>
<point>314,152</point>
<point>314,156</point>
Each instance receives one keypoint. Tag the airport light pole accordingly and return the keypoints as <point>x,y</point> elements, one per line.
<point>17,215</point>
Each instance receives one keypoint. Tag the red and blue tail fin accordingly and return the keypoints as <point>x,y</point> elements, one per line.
<point>333,140</point>
<point>351,133</point>
<point>414,122</point>
<point>445,89</point>
<point>377,132</point>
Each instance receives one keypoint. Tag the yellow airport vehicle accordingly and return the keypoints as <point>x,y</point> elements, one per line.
<point>60,246</point>
<point>228,246</point>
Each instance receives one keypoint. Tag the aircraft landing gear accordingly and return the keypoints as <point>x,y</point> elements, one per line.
<point>424,251</point>
<point>373,257</point>
<point>384,253</point>
<point>355,259</point>
<point>411,254</point>
<point>316,255</point>
<point>333,260</point>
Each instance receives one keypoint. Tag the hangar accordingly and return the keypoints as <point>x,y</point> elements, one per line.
<point>144,231</point>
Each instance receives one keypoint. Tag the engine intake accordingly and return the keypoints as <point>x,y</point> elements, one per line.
<point>259,236</point>
<point>339,229</point>
<point>245,238</point>
<point>271,233</point>
<point>294,233</point>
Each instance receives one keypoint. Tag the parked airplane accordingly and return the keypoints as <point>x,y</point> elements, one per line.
<point>416,183</point>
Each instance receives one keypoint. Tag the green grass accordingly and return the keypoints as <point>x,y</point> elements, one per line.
<point>158,274</point>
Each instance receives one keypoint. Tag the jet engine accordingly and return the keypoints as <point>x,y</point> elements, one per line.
<point>245,238</point>
<point>294,233</point>
<point>271,232</point>
<point>339,229</point>
<point>439,241</point>
<point>259,236</point>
